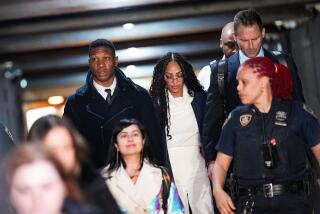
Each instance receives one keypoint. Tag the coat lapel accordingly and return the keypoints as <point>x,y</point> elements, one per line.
<point>198,104</point>
<point>135,197</point>
<point>123,191</point>
<point>151,178</point>
<point>233,99</point>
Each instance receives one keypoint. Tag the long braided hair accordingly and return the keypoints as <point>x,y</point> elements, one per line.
<point>158,90</point>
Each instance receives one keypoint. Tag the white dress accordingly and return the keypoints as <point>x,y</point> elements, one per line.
<point>188,165</point>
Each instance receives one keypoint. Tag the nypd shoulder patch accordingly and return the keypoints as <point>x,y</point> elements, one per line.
<point>245,119</point>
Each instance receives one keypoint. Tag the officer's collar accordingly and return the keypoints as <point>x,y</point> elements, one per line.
<point>255,110</point>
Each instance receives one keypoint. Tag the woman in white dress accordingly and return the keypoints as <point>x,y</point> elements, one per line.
<point>180,100</point>
<point>138,185</point>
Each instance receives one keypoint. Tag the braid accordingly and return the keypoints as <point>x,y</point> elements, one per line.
<point>280,76</point>
<point>159,94</point>
<point>158,91</point>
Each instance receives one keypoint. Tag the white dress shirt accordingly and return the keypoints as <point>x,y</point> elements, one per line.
<point>101,89</point>
<point>243,57</point>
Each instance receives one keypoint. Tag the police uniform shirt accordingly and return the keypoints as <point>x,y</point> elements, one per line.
<point>289,124</point>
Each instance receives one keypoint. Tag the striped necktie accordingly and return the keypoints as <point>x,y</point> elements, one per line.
<point>108,91</point>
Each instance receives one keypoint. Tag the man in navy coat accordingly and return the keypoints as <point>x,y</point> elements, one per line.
<point>249,34</point>
<point>107,97</point>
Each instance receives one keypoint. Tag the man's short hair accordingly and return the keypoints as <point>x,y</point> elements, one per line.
<point>102,42</point>
<point>247,17</point>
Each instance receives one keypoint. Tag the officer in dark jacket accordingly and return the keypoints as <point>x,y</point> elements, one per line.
<point>222,98</point>
<point>268,140</point>
<point>107,97</point>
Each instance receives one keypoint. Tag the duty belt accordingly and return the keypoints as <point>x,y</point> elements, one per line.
<point>270,190</point>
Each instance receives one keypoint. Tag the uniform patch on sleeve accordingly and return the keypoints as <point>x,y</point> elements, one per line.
<point>226,120</point>
<point>309,110</point>
<point>245,119</point>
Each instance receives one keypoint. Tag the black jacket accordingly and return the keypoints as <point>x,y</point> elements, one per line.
<point>214,113</point>
<point>95,118</point>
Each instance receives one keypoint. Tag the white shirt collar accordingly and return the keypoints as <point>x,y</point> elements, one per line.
<point>243,57</point>
<point>101,89</point>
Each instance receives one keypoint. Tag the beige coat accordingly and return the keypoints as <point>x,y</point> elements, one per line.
<point>135,198</point>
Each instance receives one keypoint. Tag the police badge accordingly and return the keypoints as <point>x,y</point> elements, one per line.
<point>245,119</point>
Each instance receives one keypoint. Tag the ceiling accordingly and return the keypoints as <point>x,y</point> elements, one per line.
<point>48,39</point>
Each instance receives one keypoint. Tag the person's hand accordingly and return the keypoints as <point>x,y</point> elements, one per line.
<point>224,202</point>
<point>210,169</point>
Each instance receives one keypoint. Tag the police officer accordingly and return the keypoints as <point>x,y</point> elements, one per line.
<point>267,139</point>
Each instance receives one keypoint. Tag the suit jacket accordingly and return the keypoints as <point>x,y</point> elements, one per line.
<point>215,109</point>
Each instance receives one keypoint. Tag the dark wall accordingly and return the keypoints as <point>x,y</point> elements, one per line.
<point>10,106</point>
<point>305,47</point>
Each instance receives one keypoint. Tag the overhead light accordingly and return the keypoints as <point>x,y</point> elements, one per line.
<point>287,24</point>
<point>278,23</point>
<point>23,83</point>
<point>56,100</point>
<point>132,49</point>
<point>130,70</point>
<point>290,24</point>
<point>128,26</point>
<point>317,7</point>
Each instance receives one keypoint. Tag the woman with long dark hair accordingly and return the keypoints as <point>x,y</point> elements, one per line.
<point>60,137</point>
<point>137,183</point>
<point>180,100</point>
<point>268,140</point>
<point>36,183</point>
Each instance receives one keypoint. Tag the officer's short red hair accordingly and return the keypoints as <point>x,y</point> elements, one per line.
<point>280,76</point>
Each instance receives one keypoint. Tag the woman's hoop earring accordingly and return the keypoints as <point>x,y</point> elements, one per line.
<point>117,158</point>
<point>142,155</point>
